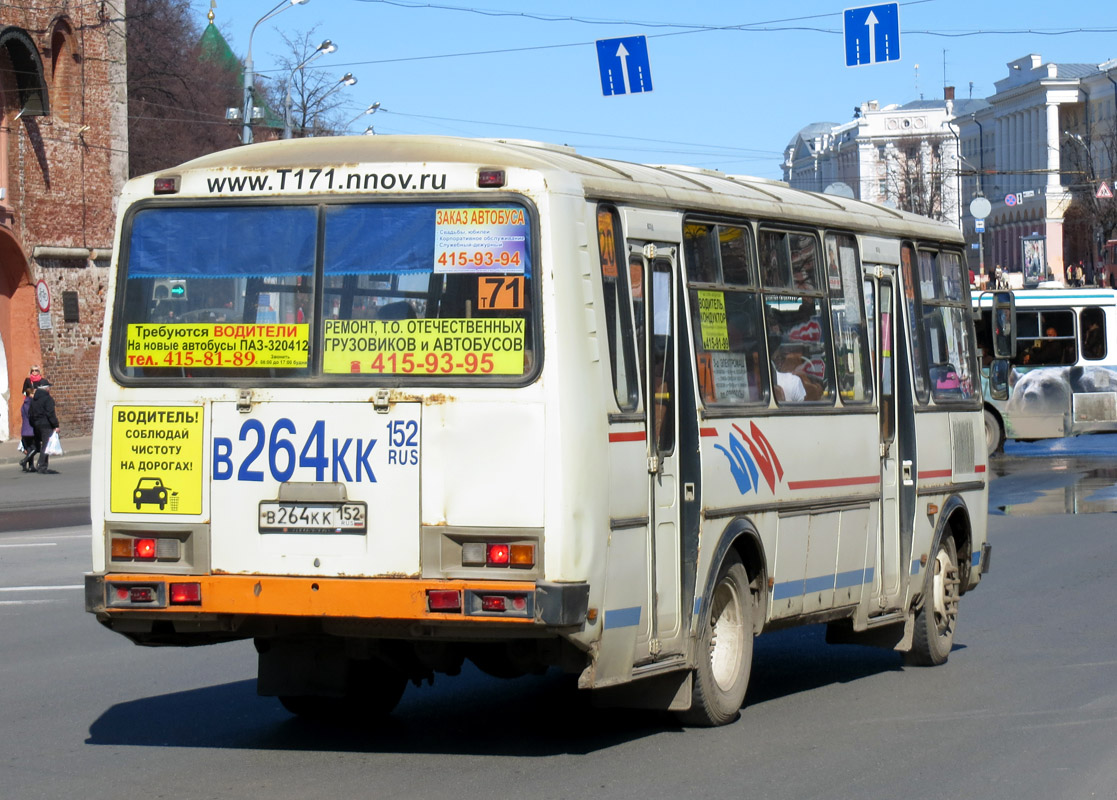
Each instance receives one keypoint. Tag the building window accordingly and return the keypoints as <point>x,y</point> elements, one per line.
<point>63,71</point>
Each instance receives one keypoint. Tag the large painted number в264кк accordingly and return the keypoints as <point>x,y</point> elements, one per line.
<point>313,450</point>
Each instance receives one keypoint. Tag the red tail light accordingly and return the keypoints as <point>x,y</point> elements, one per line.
<point>141,594</point>
<point>145,548</point>
<point>492,602</point>
<point>498,554</point>
<point>186,594</point>
<point>490,178</point>
<point>444,600</point>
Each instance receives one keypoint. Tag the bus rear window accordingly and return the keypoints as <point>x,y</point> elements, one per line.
<point>418,290</point>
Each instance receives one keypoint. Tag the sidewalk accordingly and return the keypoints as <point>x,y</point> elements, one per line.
<point>76,446</point>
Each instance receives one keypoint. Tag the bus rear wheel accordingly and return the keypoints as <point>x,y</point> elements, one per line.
<point>936,621</point>
<point>724,649</point>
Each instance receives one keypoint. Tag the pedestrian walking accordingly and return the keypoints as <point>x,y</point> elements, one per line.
<point>27,434</point>
<point>31,382</point>
<point>44,421</point>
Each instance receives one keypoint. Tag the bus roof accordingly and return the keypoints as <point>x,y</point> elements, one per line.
<point>1052,298</point>
<point>567,171</point>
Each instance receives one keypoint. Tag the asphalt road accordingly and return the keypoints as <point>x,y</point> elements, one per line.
<point>30,501</point>
<point>1025,708</point>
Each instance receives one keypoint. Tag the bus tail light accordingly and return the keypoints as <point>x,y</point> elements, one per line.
<point>498,555</point>
<point>492,602</point>
<point>141,594</point>
<point>186,594</point>
<point>501,604</point>
<point>448,601</point>
<point>490,178</point>
<point>147,548</point>
<point>166,186</point>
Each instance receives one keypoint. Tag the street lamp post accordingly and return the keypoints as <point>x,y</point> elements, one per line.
<point>370,110</point>
<point>345,80</point>
<point>326,47</point>
<point>1089,176</point>
<point>249,75</point>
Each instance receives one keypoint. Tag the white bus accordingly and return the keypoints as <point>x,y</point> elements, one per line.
<point>1062,378</point>
<point>384,404</point>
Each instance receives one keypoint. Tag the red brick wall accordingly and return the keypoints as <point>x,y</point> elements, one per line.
<point>63,172</point>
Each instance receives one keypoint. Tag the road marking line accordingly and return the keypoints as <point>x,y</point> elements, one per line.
<point>56,538</point>
<point>27,602</point>
<point>40,588</point>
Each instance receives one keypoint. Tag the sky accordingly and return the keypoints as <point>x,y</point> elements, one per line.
<point>731,82</point>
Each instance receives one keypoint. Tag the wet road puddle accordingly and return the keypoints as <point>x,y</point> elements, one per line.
<point>1030,487</point>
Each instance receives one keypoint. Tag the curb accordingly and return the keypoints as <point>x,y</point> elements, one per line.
<point>81,446</point>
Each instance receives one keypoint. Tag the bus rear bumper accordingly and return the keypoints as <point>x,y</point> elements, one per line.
<point>155,596</point>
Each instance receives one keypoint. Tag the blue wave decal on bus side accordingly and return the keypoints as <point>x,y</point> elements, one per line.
<point>747,466</point>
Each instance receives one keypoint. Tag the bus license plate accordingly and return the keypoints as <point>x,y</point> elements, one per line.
<point>313,518</point>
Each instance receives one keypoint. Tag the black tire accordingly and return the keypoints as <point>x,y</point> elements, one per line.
<point>994,434</point>
<point>721,676</point>
<point>936,621</point>
<point>374,690</point>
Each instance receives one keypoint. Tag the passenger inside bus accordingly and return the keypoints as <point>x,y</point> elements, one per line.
<point>1051,350</point>
<point>793,382</point>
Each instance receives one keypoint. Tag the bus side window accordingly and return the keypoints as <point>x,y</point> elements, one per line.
<point>1092,325</point>
<point>1054,343</point>
<point>618,310</point>
<point>795,313</point>
<point>913,307</point>
<point>725,312</point>
<point>848,320</point>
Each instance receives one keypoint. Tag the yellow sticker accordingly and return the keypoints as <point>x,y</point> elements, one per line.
<point>156,460</point>
<point>424,346</point>
<point>711,314</point>
<point>220,345</point>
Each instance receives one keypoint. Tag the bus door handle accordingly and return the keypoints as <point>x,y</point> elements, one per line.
<point>905,473</point>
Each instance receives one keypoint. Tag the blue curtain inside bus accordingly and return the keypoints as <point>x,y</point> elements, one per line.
<point>229,242</point>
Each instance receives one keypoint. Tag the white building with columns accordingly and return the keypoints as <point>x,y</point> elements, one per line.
<point>1037,150</point>
<point>905,156</point>
<point>1021,153</point>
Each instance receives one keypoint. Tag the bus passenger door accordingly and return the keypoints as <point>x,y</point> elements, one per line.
<point>663,634</point>
<point>884,315</point>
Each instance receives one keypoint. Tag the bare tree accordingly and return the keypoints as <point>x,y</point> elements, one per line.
<point>915,179</point>
<point>1092,158</point>
<point>176,95</point>
<point>315,91</point>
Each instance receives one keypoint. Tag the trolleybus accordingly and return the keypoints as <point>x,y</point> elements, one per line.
<point>385,404</point>
<point>1062,377</point>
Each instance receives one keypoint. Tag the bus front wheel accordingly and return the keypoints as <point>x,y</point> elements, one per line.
<point>936,621</point>
<point>994,434</point>
<point>724,649</point>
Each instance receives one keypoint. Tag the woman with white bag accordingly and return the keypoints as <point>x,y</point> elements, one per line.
<point>45,423</point>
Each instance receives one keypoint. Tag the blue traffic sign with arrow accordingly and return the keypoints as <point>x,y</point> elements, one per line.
<point>872,34</point>
<point>624,65</point>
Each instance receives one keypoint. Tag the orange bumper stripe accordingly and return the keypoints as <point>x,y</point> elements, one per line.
<point>352,598</point>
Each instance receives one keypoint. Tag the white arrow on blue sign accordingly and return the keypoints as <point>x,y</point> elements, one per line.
<point>872,34</point>
<point>624,65</point>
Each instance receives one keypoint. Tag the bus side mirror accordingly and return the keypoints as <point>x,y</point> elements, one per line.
<point>998,379</point>
<point>1004,325</point>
